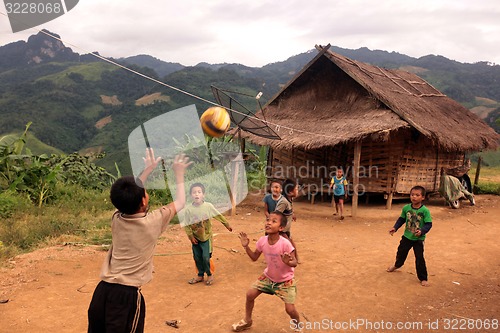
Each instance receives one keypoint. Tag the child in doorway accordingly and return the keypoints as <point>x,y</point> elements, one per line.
<point>290,190</point>
<point>198,217</point>
<point>278,277</point>
<point>271,199</point>
<point>117,304</point>
<point>339,183</point>
<point>418,221</point>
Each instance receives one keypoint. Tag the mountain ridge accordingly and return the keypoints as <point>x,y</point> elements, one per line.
<point>61,91</point>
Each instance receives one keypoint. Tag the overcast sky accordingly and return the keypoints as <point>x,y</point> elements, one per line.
<point>258,32</point>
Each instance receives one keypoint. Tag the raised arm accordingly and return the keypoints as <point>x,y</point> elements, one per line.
<point>150,163</point>
<point>254,255</point>
<point>181,163</point>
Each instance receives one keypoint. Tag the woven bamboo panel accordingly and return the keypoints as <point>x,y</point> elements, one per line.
<point>391,166</point>
<point>421,163</point>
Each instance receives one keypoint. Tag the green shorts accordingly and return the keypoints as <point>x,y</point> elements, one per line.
<point>286,290</point>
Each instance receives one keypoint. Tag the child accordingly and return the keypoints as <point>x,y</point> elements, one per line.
<point>418,223</point>
<point>271,199</point>
<point>339,183</point>
<point>199,230</point>
<point>278,277</point>
<point>117,304</point>
<point>284,205</point>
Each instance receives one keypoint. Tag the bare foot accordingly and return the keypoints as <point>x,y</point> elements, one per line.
<point>424,283</point>
<point>391,269</point>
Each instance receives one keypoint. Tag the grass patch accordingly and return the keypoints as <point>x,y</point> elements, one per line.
<point>78,215</point>
<point>489,180</point>
<point>486,174</point>
<point>89,71</point>
<point>487,188</point>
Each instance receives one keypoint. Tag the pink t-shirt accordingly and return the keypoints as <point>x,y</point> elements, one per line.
<point>276,269</point>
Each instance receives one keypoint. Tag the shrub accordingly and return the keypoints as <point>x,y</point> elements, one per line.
<point>10,202</point>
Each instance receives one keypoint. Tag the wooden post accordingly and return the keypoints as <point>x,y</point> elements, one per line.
<point>355,177</point>
<point>390,182</point>
<point>478,169</point>
<point>388,203</point>
<point>242,142</point>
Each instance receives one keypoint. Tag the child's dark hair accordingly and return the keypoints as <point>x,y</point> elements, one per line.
<point>419,188</point>
<point>283,220</point>
<point>288,186</point>
<point>126,194</point>
<point>200,185</point>
<point>274,181</point>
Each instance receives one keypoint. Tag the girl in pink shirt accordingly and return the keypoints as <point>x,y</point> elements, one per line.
<point>278,277</point>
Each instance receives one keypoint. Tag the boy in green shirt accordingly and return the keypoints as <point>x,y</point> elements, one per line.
<point>198,217</point>
<point>418,222</point>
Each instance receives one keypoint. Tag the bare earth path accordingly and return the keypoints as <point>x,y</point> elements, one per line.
<point>342,279</point>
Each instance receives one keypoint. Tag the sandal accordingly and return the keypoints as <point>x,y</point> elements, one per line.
<point>241,326</point>
<point>210,281</point>
<point>195,281</point>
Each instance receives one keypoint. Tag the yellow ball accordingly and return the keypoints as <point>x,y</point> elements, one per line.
<point>215,121</point>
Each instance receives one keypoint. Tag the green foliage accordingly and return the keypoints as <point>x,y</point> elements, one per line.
<point>490,158</point>
<point>78,169</point>
<point>487,188</point>
<point>36,176</point>
<point>11,202</point>
<point>79,73</point>
<point>206,167</point>
<point>256,168</point>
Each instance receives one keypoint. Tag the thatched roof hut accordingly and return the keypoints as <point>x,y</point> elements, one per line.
<point>398,121</point>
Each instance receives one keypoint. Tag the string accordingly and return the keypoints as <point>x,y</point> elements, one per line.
<point>268,123</point>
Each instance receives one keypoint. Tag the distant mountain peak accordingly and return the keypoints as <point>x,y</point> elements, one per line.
<point>38,49</point>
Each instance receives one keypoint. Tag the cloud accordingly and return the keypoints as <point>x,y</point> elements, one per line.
<point>259,32</point>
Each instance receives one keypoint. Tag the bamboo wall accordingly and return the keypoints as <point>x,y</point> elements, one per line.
<point>391,166</point>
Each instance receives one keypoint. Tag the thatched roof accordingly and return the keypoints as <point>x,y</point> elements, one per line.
<point>334,99</point>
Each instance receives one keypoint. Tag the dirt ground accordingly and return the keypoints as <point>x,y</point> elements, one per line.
<point>342,282</point>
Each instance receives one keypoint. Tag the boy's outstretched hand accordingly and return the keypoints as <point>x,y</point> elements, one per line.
<point>150,160</point>
<point>181,163</point>
<point>392,231</point>
<point>244,239</point>
<point>150,163</point>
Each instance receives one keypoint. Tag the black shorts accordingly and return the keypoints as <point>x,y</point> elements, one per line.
<point>337,198</point>
<point>116,308</point>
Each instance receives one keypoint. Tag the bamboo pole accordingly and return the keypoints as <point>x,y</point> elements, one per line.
<point>355,177</point>
<point>478,170</point>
